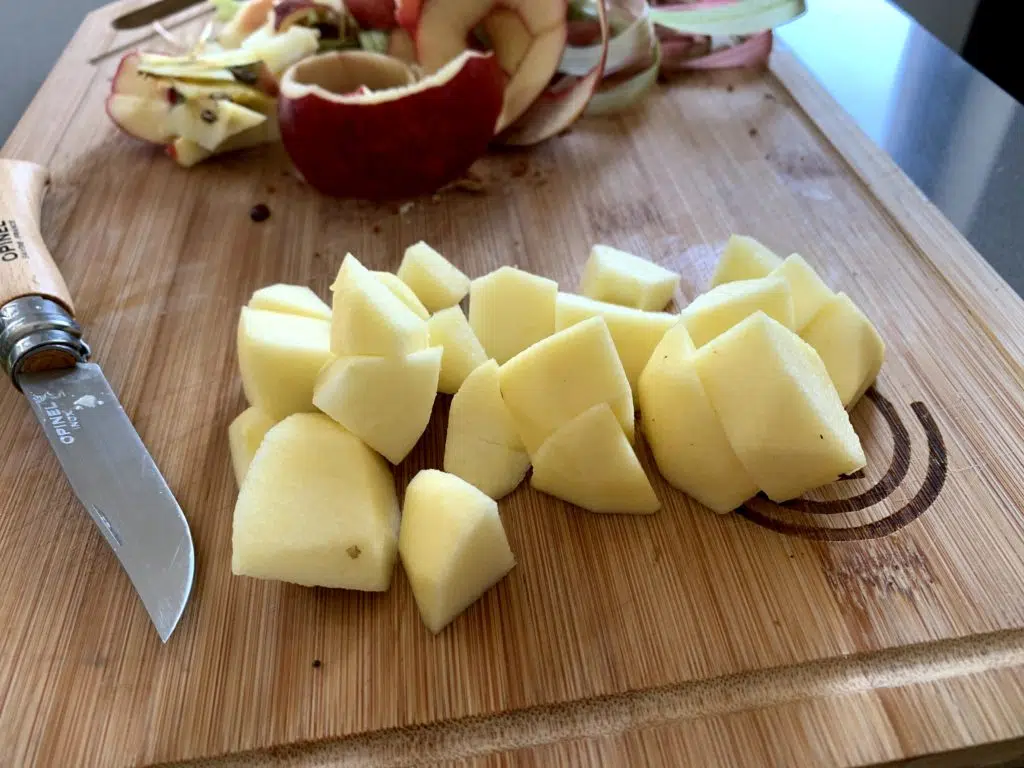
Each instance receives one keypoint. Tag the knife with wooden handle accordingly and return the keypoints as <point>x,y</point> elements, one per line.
<point>105,461</point>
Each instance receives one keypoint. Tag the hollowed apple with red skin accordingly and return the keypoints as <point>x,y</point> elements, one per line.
<point>358,124</point>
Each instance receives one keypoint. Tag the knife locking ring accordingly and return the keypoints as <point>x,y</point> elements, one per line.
<point>38,334</point>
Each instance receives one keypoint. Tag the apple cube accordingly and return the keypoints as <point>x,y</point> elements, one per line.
<point>245,434</point>
<point>779,408</point>
<point>436,281</point>
<point>279,357</point>
<point>686,437</point>
<point>849,346</point>
<point>809,291</point>
<point>292,300</point>
<point>635,332</point>
<point>453,545</point>
<point>718,310</point>
<point>588,462</point>
<point>483,446</point>
<point>621,278</point>
<point>463,352</point>
<point>318,508</point>
<point>384,401</point>
<point>557,379</point>
<point>368,319</point>
<point>404,293</point>
<point>744,258</point>
<point>510,309</point>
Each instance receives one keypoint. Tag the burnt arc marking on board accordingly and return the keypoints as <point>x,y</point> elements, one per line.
<point>934,479</point>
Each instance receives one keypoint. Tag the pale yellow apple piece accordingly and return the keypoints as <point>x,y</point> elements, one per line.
<point>463,352</point>
<point>245,433</point>
<point>779,408</point>
<point>292,300</point>
<point>588,462</point>
<point>368,319</point>
<point>622,278</point>
<point>279,357</point>
<point>721,308</point>
<point>849,345</point>
<point>384,401</point>
<point>744,258</point>
<point>510,309</point>
<point>635,332</point>
<point>404,293</point>
<point>558,378</point>
<point>482,445</point>
<point>683,430</point>
<point>437,282</point>
<point>318,508</point>
<point>453,545</point>
<point>809,291</point>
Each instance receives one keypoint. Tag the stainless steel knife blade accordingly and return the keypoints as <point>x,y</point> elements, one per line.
<point>114,476</point>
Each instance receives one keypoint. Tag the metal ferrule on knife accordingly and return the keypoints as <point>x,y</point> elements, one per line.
<point>36,334</point>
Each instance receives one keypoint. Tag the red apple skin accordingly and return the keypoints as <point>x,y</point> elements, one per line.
<point>407,14</point>
<point>373,14</point>
<point>401,148</point>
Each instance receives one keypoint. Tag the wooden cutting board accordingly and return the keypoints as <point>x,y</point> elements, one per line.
<point>881,619</point>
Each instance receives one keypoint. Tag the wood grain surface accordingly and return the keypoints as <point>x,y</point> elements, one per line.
<point>885,627</point>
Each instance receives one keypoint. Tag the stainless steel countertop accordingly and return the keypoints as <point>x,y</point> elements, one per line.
<point>957,135</point>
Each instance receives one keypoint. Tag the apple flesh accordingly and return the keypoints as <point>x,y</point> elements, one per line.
<point>291,300</point>
<point>463,352</point>
<point>437,282</point>
<point>398,138</point>
<point>718,310</point>
<point>744,258</point>
<point>621,278</point>
<point>245,434</point>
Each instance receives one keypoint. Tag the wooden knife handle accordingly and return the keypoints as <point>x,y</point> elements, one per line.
<point>26,266</point>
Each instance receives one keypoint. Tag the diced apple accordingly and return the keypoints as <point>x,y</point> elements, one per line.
<point>744,258</point>
<point>384,401</point>
<point>557,379</point>
<point>778,407</point>
<point>510,309</point>
<point>483,446</point>
<point>588,462</point>
<point>718,310</point>
<point>849,346</point>
<point>210,123</point>
<point>245,434</point>
<point>635,332</point>
<point>622,278</point>
<point>317,508</point>
<point>292,300</point>
<point>683,430</point>
<point>368,319</point>
<point>403,292</point>
<point>809,291</point>
<point>437,282</point>
<point>463,352</point>
<point>453,545</point>
<point>280,356</point>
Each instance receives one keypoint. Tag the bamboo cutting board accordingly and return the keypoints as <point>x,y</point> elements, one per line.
<point>879,619</point>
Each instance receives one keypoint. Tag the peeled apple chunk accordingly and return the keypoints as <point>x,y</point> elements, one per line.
<point>744,258</point>
<point>245,434</point>
<point>384,401</point>
<point>635,332</point>
<point>210,123</point>
<point>588,462</point>
<point>849,346</point>
<point>359,124</point>
<point>292,300</point>
<point>809,291</point>
<point>318,508</point>
<point>463,352</point>
<point>718,310</point>
<point>778,407</point>
<point>436,281</point>
<point>404,293</point>
<point>510,309</point>
<point>686,437</point>
<point>483,445</point>
<point>453,545</point>
<point>368,319</point>
<point>621,278</point>
<point>557,379</point>
<point>279,357</point>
